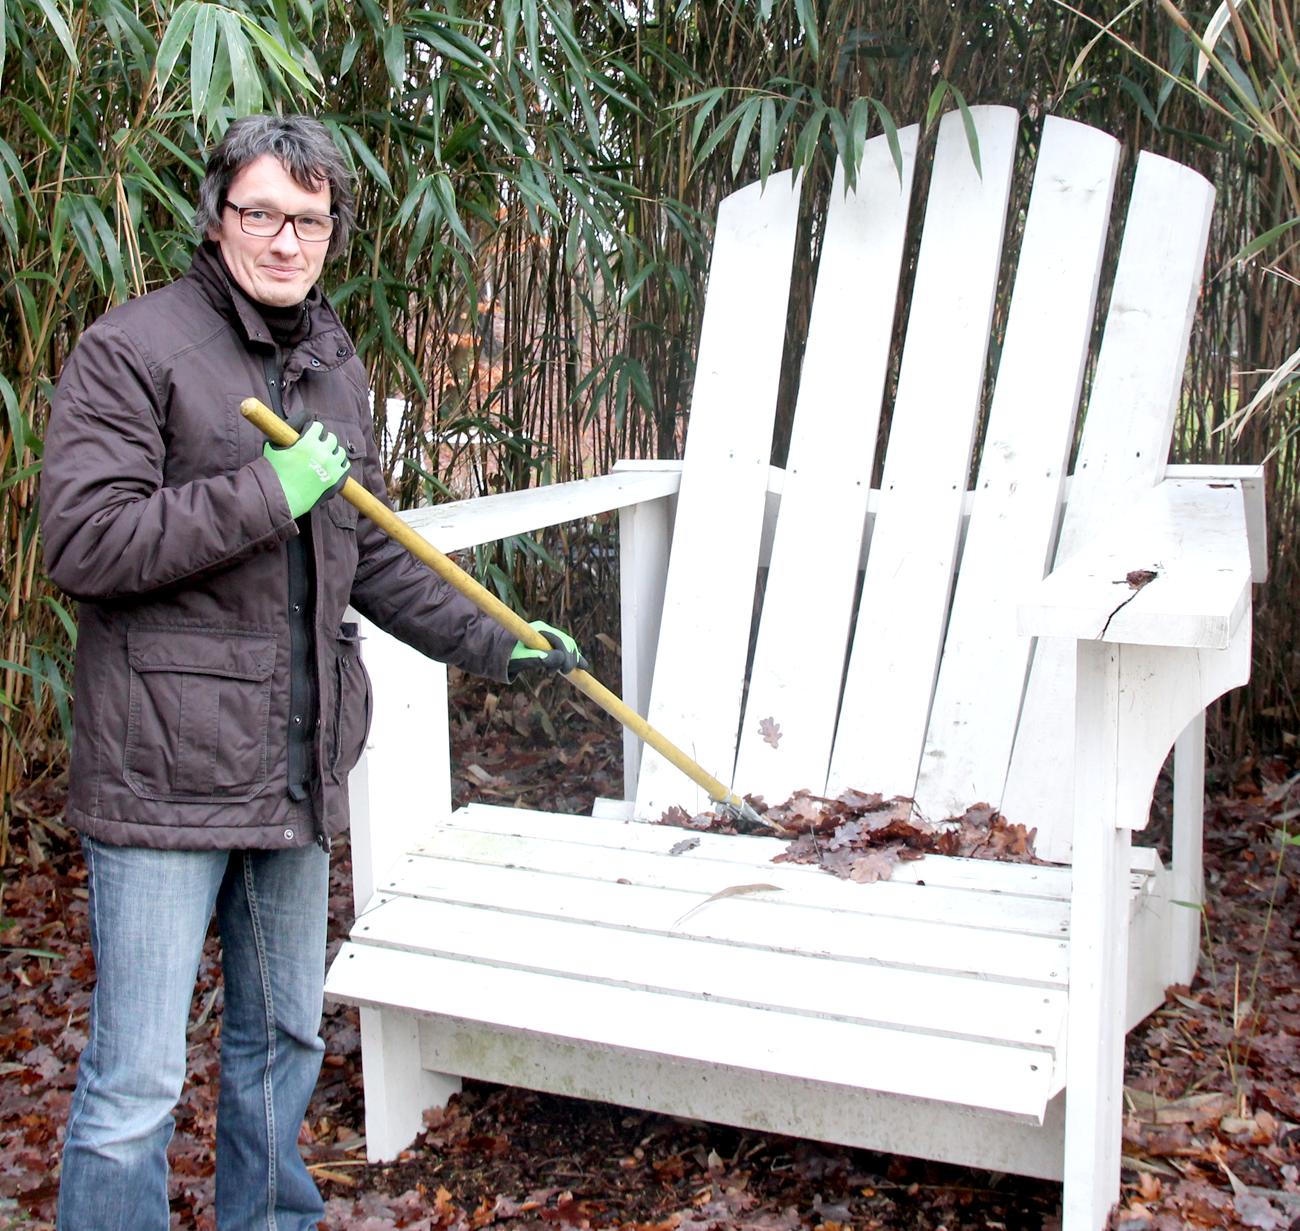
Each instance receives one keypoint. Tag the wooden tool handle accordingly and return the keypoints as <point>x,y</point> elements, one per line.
<point>280,433</point>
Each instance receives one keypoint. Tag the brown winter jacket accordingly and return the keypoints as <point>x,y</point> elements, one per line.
<point>162,517</point>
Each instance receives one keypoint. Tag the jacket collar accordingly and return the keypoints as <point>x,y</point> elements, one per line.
<point>326,346</point>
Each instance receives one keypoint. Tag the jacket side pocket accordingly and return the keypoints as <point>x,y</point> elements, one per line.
<point>199,714</point>
<point>352,702</point>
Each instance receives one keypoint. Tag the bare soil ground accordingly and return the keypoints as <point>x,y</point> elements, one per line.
<point>1212,1131</point>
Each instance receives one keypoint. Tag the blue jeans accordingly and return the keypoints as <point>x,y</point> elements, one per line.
<point>149,913</point>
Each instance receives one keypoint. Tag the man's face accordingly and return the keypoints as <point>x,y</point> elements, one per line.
<point>277,270</point>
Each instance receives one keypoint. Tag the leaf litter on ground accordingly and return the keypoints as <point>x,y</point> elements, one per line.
<point>1212,1078</point>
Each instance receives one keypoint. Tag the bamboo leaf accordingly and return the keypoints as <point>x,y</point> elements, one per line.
<point>972,135</point>
<point>59,24</point>
<point>84,229</point>
<point>1218,23</point>
<point>744,126</point>
<point>243,71</point>
<point>64,617</point>
<point>394,43</point>
<point>1138,95</point>
<point>173,42</point>
<point>1260,242</point>
<point>203,45</point>
<point>350,50</point>
<point>17,424</point>
<point>446,194</point>
<point>767,137</point>
<point>368,160</point>
<point>807,14</point>
<point>891,135</point>
<point>38,125</point>
<point>936,101</point>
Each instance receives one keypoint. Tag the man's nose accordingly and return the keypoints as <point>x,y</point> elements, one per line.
<point>286,238</point>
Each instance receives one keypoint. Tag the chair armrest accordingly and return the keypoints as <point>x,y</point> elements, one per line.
<point>467,523</point>
<point>1192,535</point>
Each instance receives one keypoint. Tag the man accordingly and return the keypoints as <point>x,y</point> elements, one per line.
<point>221,699</point>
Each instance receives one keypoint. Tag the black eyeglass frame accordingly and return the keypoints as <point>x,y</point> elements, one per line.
<point>284,217</point>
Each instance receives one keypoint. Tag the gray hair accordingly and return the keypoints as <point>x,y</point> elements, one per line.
<point>304,148</point>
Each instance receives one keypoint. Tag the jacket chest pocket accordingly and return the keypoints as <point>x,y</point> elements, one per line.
<point>352,702</point>
<point>199,714</point>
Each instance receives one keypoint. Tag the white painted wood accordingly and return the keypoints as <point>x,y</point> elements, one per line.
<point>818,536</point>
<point>1253,490</point>
<point>1099,948</point>
<point>985,875</point>
<point>409,728</point>
<point>1123,451</point>
<point>398,1088</point>
<point>1026,449</point>
<point>551,951</point>
<point>767,1102</point>
<point>610,809</point>
<point>1188,876</point>
<point>798,885</point>
<point>1152,918</point>
<point>644,532</point>
<point>1010,1080</point>
<point>904,603</point>
<point>467,523</point>
<point>1164,689</point>
<point>955,946</point>
<point>703,635</point>
<point>693,969</point>
<point>1192,535</point>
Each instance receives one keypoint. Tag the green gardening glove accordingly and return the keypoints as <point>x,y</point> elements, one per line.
<point>313,467</point>
<point>564,658</point>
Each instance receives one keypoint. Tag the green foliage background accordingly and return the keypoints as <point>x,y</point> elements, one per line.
<point>537,178</point>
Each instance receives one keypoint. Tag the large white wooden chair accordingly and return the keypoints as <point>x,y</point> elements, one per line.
<point>965,1010</point>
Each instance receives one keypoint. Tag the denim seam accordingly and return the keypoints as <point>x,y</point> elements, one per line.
<point>79,1094</point>
<point>268,1085</point>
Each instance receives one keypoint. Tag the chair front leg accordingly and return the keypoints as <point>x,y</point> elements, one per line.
<point>1098,947</point>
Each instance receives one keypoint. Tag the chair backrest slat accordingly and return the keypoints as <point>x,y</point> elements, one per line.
<point>899,633</point>
<point>803,633</point>
<point>708,599</point>
<point>1022,466</point>
<point>1123,452</point>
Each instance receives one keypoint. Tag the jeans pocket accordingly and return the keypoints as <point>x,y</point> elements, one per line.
<point>199,716</point>
<point>352,701</point>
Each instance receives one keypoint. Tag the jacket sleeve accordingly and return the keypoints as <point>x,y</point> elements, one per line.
<point>407,599</point>
<point>111,528</point>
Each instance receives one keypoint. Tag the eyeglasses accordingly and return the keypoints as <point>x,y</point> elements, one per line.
<point>255,220</point>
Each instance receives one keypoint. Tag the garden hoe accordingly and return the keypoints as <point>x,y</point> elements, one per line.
<point>282,434</point>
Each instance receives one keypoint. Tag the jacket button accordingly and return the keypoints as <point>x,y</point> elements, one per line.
<point>315,363</point>
<point>342,350</point>
<point>288,835</point>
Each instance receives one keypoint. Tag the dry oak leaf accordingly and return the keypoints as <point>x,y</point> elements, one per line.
<point>770,730</point>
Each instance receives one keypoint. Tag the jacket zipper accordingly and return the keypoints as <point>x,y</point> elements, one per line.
<point>303,698</point>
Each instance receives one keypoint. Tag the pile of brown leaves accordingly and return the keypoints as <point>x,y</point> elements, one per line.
<point>864,837</point>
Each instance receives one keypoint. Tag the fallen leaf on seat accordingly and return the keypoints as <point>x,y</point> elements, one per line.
<point>867,869</point>
<point>686,844</point>
<point>770,731</point>
<point>730,891</point>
